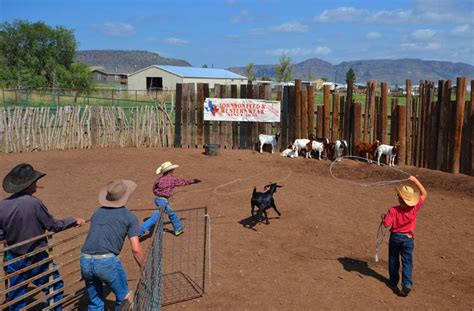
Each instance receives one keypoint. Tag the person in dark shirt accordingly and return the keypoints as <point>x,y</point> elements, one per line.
<point>22,217</point>
<point>110,224</point>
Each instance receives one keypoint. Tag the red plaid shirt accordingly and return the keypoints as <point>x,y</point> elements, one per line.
<point>163,186</point>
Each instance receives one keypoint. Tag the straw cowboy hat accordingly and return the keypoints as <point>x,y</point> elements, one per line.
<point>116,193</point>
<point>21,177</point>
<point>408,195</point>
<point>166,167</point>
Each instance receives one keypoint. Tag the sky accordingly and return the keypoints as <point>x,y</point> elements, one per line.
<point>228,33</point>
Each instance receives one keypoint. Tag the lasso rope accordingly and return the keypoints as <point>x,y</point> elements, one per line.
<point>215,189</point>
<point>378,183</point>
<point>381,231</point>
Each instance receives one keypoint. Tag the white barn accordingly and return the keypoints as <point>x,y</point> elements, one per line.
<point>162,77</point>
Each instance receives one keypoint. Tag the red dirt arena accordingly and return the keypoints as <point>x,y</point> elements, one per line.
<point>318,255</point>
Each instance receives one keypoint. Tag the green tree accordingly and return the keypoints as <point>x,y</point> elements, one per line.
<point>205,66</point>
<point>266,78</point>
<point>324,79</point>
<point>350,76</point>
<point>37,55</point>
<point>250,71</point>
<point>284,70</point>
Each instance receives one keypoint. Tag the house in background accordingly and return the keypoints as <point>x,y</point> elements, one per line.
<point>102,77</point>
<point>163,77</point>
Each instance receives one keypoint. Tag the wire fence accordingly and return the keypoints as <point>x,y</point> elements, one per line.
<point>149,289</point>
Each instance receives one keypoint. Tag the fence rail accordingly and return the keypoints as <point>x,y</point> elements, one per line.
<point>65,252</point>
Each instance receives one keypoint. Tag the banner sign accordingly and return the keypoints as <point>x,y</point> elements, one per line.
<point>241,109</point>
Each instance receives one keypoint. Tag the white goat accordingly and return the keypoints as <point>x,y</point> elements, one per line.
<point>300,144</point>
<point>339,147</point>
<point>268,139</point>
<point>316,146</point>
<point>389,151</point>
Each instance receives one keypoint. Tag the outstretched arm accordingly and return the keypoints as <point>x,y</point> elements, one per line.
<point>422,189</point>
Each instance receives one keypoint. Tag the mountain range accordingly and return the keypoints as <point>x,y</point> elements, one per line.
<point>125,61</point>
<point>392,71</point>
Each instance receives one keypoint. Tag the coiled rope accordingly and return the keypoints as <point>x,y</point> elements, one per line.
<point>378,183</point>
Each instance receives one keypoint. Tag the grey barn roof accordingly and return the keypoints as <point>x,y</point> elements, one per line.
<point>196,72</point>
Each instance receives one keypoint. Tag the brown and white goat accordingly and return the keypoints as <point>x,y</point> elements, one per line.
<point>389,151</point>
<point>367,150</point>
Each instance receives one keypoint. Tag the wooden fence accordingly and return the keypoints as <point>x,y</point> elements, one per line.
<point>435,134</point>
<point>73,127</point>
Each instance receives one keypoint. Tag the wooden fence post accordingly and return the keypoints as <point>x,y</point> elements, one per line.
<point>320,122</point>
<point>235,125</point>
<point>384,113</point>
<point>304,113</point>
<point>284,117</point>
<point>291,113</point>
<point>243,125</point>
<point>408,111</point>
<point>298,108</point>
<point>466,148</point>
<point>93,127</point>
<point>192,116</point>
<point>335,116</point>
<point>342,113</point>
<point>445,112</point>
<point>458,122</point>
<point>185,117</point>
<point>200,114</point>
<point>401,135</point>
<point>310,109</point>
<point>207,124</point>
<point>179,105</point>
<point>326,111</point>
<point>357,130</point>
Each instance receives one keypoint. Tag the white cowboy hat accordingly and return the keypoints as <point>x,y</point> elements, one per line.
<point>165,167</point>
<point>116,193</point>
<point>408,195</point>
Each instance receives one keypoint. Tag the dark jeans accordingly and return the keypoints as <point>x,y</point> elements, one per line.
<point>400,246</point>
<point>108,271</point>
<point>17,279</point>
<point>174,218</point>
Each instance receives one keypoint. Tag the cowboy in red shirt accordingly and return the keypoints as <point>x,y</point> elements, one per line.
<point>402,220</point>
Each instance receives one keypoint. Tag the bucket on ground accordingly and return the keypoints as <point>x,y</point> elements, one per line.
<point>212,149</point>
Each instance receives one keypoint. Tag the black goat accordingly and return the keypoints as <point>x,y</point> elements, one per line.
<point>263,201</point>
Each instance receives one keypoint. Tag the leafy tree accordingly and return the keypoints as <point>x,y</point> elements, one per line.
<point>324,79</point>
<point>250,72</point>
<point>205,66</point>
<point>284,70</point>
<point>266,78</point>
<point>350,76</point>
<point>37,55</point>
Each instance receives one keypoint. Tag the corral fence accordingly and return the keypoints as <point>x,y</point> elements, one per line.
<point>433,133</point>
<point>175,267</point>
<point>73,127</point>
<point>64,249</point>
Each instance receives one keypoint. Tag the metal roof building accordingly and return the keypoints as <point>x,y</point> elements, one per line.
<point>161,77</point>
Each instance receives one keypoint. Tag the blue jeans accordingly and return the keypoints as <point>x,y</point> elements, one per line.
<point>22,290</point>
<point>95,272</point>
<point>400,246</point>
<point>163,202</point>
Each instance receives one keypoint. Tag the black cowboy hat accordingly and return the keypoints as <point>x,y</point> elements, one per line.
<point>21,177</point>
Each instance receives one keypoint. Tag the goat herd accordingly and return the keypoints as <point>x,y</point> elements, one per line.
<point>264,200</point>
<point>332,150</point>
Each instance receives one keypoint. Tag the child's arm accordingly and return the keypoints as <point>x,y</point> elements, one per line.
<point>420,187</point>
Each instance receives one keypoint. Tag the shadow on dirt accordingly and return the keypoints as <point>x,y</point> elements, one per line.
<point>362,267</point>
<point>250,222</point>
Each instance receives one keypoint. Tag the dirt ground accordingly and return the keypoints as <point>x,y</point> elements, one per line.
<point>318,255</point>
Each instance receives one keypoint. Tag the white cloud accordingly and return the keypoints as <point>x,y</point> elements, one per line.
<point>341,14</point>
<point>257,31</point>
<point>415,46</point>
<point>176,41</point>
<point>420,13</point>
<point>461,29</point>
<point>320,50</point>
<point>291,27</point>
<point>373,35</point>
<point>243,17</point>
<point>117,29</point>
<point>423,34</point>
